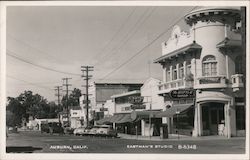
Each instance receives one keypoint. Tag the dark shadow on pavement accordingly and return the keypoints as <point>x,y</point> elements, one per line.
<point>22,149</point>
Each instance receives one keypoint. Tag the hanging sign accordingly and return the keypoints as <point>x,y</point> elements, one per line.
<point>135,99</point>
<point>182,93</point>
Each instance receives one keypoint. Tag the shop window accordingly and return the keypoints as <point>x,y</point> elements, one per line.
<point>209,66</point>
<point>240,117</point>
<point>168,78</point>
<point>238,65</point>
<point>181,71</point>
<point>184,122</point>
<point>174,76</point>
<point>188,68</point>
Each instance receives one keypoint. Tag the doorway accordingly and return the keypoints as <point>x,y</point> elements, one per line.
<point>213,118</point>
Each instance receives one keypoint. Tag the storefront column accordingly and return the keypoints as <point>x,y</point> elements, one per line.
<point>195,130</point>
<point>169,124</point>
<point>232,116</point>
<point>227,120</point>
<point>172,125</point>
<point>199,111</point>
<point>143,127</point>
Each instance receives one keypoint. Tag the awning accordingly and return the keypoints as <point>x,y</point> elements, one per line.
<point>229,43</point>
<point>144,114</point>
<point>128,117</point>
<point>125,119</point>
<point>105,120</point>
<point>170,112</point>
<point>189,47</point>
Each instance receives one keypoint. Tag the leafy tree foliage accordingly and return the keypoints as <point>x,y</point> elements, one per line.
<point>73,99</point>
<point>28,104</point>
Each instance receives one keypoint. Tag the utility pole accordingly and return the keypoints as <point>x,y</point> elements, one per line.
<point>66,80</point>
<point>85,70</point>
<point>57,94</point>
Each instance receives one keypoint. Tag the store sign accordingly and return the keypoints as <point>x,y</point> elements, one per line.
<point>184,93</point>
<point>135,99</point>
<point>85,101</point>
<point>103,109</point>
<point>138,106</point>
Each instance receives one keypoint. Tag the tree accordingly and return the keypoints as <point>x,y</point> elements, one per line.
<point>73,98</point>
<point>29,104</point>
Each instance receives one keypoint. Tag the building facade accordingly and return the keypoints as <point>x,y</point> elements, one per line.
<point>76,117</point>
<point>135,111</point>
<point>101,91</point>
<point>208,62</point>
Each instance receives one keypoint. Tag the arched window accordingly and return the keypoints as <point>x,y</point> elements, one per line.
<point>209,66</point>
<point>238,65</point>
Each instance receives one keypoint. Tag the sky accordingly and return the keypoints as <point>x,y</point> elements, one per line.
<point>46,44</point>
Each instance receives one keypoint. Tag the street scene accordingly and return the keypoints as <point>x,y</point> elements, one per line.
<point>35,142</point>
<point>126,79</point>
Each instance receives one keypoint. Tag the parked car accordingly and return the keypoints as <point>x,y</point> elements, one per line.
<point>53,127</point>
<point>93,131</point>
<point>79,131</point>
<point>106,131</point>
<point>103,130</point>
<point>86,131</point>
<point>68,130</point>
<point>45,128</point>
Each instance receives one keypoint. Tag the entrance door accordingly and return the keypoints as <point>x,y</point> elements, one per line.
<point>217,120</point>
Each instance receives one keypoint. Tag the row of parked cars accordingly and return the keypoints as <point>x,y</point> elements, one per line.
<point>101,130</point>
<point>55,127</point>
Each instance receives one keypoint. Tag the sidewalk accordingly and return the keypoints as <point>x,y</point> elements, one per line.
<point>174,137</point>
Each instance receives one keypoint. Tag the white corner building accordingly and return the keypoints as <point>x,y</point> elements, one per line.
<point>207,60</point>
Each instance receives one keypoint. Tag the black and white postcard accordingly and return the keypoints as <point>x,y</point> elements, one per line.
<point>124,80</point>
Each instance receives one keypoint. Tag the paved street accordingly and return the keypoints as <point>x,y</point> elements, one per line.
<point>31,141</point>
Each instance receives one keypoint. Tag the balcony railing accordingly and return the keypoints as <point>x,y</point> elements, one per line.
<point>211,82</point>
<point>237,81</point>
<point>176,84</point>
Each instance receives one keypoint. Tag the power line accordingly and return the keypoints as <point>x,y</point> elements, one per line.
<point>28,82</point>
<point>10,53</point>
<point>128,36</point>
<point>141,50</point>
<point>118,31</point>
<point>30,46</point>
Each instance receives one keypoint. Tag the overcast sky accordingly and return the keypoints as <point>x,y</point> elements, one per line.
<point>42,39</point>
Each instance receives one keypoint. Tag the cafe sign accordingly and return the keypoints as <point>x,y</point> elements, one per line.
<point>182,93</point>
<point>135,99</point>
